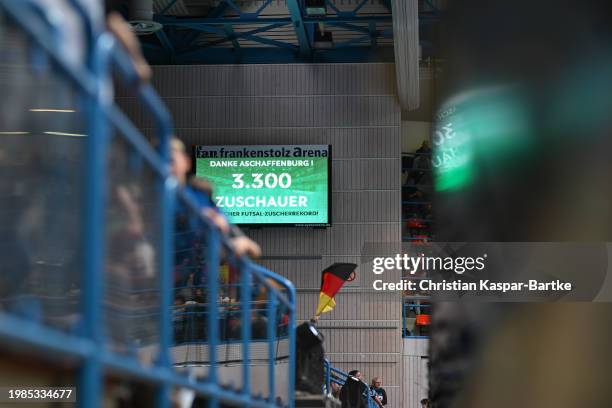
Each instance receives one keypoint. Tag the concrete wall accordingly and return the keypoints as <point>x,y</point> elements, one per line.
<point>415,382</point>
<point>352,107</point>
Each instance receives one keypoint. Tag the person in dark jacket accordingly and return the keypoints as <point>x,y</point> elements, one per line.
<point>353,393</point>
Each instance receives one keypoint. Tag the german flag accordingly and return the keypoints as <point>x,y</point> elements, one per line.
<point>332,279</point>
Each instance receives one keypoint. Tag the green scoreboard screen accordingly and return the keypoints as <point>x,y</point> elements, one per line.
<point>269,185</point>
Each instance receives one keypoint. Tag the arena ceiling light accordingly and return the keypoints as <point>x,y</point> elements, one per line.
<point>64,134</point>
<point>52,110</point>
<point>315,8</point>
<point>141,17</point>
<point>142,27</point>
<point>14,133</point>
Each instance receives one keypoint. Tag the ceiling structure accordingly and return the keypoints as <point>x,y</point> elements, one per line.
<point>279,31</point>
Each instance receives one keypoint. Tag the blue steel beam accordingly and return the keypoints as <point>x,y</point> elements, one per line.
<point>359,7</point>
<point>233,5</point>
<point>279,52</point>
<point>352,27</point>
<point>165,41</point>
<point>373,34</point>
<point>246,35</point>
<point>231,36</point>
<point>189,39</point>
<point>353,12</point>
<point>168,7</point>
<point>269,41</point>
<point>424,18</point>
<point>353,41</point>
<point>263,7</point>
<point>243,34</point>
<point>187,22</point>
<point>298,23</point>
<point>218,11</point>
<point>276,55</point>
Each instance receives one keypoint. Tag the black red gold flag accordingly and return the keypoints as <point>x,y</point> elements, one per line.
<point>332,279</point>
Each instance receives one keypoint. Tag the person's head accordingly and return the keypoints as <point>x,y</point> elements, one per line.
<point>376,382</point>
<point>425,144</point>
<point>425,403</point>
<point>181,162</point>
<point>356,373</point>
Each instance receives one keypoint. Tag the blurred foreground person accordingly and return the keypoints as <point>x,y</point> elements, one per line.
<point>521,153</point>
<point>200,191</point>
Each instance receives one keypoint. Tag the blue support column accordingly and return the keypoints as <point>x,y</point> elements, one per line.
<point>231,35</point>
<point>168,7</point>
<point>298,24</point>
<point>165,41</point>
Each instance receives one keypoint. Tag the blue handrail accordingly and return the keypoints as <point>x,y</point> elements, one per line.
<point>88,345</point>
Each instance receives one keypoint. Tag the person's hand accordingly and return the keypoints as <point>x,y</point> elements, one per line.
<point>135,224</point>
<point>217,219</point>
<point>243,245</point>
<point>122,31</point>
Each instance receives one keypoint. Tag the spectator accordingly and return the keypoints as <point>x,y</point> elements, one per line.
<point>335,390</point>
<point>425,403</point>
<point>424,149</point>
<point>378,393</point>
<point>357,374</point>
<point>353,393</point>
<point>179,319</point>
<point>259,326</point>
<point>198,295</point>
<point>200,191</point>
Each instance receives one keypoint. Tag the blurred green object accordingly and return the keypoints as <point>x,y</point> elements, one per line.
<point>484,128</point>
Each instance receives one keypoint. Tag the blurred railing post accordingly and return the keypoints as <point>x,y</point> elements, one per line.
<point>327,376</point>
<point>213,261</point>
<point>245,317</point>
<point>292,343</point>
<point>94,226</point>
<point>271,335</point>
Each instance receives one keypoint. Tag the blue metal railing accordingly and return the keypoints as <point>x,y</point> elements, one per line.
<point>337,376</point>
<point>88,343</point>
<point>410,330</point>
